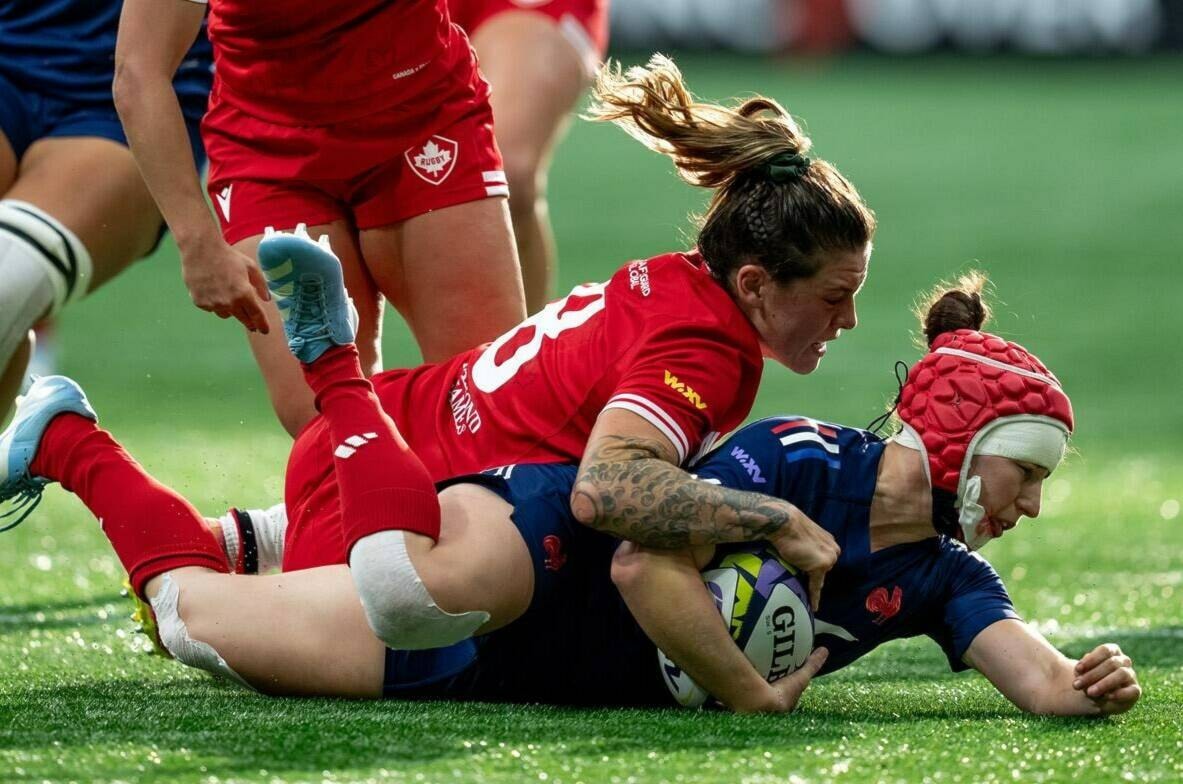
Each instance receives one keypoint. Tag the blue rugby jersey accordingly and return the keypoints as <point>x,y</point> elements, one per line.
<point>585,648</point>
<point>935,587</point>
<point>66,49</point>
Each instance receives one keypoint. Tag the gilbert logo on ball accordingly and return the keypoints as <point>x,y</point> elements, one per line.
<point>766,609</point>
<point>435,160</point>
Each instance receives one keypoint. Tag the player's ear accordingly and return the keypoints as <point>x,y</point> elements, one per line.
<point>749,284</point>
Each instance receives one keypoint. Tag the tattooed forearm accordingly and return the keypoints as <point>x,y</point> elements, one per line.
<point>630,488</point>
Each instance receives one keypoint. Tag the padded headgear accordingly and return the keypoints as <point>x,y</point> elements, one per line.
<point>968,383</point>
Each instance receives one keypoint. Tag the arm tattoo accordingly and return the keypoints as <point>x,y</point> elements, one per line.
<point>639,494</point>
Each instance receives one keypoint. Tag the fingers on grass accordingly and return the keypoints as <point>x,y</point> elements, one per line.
<point>1118,679</point>
<point>1096,656</point>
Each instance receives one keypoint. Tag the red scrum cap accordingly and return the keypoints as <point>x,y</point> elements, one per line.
<point>968,385</point>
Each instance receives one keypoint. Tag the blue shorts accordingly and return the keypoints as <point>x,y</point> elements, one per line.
<point>561,548</point>
<point>27,115</point>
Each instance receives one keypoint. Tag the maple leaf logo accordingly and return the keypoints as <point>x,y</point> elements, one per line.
<point>435,161</point>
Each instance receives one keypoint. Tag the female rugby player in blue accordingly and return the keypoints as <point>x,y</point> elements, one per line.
<point>575,617</point>
<point>74,211</point>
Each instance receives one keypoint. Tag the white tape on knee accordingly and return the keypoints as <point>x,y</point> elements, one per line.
<point>397,605</point>
<point>175,635</point>
<point>45,240</point>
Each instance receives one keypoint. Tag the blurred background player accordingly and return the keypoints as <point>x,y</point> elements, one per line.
<point>538,56</point>
<point>371,124</point>
<point>74,211</point>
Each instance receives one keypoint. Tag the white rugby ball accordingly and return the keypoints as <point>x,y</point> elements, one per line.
<point>767,610</point>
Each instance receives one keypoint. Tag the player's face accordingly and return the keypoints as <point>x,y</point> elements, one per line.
<point>1010,489</point>
<point>796,320</point>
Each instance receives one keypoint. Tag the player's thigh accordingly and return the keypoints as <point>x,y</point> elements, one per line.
<point>452,272</point>
<point>480,561</point>
<point>537,76</point>
<point>294,633</point>
<point>289,392</point>
<point>93,187</point>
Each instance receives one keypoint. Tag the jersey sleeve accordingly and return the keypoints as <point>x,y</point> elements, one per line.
<point>688,382</point>
<point>977,598</point>
<point>749,460</point>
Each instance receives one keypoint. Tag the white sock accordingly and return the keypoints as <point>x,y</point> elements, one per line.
<point>43,265</point>
<point>261,532</point>
<point>230,538</point>
<point>271,526</point>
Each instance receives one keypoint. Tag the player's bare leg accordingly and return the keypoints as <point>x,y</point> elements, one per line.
<point>113,217</point>
<point>305,632</point>
<point>290,396</point>
<point>537,76</point>
<point>452,273</point>
<point>290,634</point>
<point>300,633</point>
<point>480,562</point>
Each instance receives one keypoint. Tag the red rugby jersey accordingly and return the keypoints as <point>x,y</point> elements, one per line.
<point>661,339</point>
<point>297,62</point>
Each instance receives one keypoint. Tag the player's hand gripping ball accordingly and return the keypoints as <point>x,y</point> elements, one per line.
<point>767,610</point>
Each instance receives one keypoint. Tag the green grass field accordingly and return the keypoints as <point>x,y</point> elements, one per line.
<point>1060,179</point>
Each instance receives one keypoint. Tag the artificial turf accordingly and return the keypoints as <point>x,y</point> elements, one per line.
<point>1058,178</point>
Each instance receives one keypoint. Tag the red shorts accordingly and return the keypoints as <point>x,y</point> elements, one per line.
<point>374,171</point>
<point>583,22</point>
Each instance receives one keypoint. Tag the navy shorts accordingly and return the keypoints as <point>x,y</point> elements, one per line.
<point>27,115</point>
<point>561,549</point>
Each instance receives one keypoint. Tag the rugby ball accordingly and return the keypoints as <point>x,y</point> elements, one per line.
<point>767,610</point>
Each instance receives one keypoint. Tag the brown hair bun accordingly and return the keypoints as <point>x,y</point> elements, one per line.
<point>953,306</point>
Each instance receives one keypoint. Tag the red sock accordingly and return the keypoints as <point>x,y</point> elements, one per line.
<point>152,529</point>
<point>384,486</point>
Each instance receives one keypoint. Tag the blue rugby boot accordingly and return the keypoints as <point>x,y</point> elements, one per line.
<point>20,491</point>
<point>305,278</point>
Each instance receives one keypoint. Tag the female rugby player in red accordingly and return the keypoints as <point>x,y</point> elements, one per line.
<point>538,55</point>
<point>634,376</point>
<point>369,122</point>
<point>631,377</point>
<point>512,554</point>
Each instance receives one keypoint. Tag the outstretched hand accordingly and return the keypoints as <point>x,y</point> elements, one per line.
<point>1107,677</point>
<point>227,283</point>
<point>810,548</point>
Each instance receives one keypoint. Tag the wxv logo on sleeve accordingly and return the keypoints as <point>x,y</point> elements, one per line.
<point>685,390</point>
<point>435,160</point>
<point>749,464</point>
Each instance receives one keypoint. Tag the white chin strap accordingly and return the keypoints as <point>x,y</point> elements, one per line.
<point>972,513</point>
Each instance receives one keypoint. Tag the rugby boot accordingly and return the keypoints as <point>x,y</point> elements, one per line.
<point>46,398</point>
<point>145,620</point>
<point>304,276</point>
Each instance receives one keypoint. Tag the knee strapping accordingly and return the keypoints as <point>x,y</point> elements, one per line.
<point>175,635</point>
<point>397,605</point>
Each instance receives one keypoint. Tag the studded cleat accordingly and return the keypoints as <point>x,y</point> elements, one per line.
<point>305,278</point>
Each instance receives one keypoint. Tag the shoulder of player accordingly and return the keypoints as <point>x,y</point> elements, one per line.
<point>675,283</point>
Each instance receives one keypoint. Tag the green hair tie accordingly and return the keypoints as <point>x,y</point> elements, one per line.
<point>786,167</point>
